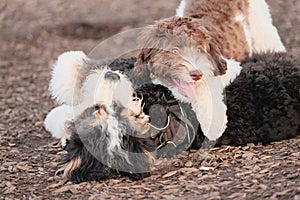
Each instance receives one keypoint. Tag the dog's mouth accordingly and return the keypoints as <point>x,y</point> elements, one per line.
<point>187,89</point>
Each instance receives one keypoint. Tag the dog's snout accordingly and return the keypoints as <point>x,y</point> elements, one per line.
<point>112,76</point>
<point>196,75</point>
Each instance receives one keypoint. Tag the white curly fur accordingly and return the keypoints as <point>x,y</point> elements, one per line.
<point>66,78</point>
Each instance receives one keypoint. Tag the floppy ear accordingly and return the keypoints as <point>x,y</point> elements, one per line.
<point>206,37</point>
<point>141,73</point>
<point>216,58</point>
<point>144,56</point>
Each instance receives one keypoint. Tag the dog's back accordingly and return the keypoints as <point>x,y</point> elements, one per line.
<point>229,19</point>
<point>264,100</point>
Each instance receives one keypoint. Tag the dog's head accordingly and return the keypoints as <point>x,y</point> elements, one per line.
<point>102,143</point>
<point>102,136</point>
<point>178,52</point>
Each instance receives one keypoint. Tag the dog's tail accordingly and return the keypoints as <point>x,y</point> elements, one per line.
<point>67,77</point>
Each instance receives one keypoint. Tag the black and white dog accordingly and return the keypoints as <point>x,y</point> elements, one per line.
<point>105,127</point>
<point>115,127</point>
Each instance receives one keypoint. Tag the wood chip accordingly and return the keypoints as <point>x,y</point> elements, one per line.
<point>23,168</point>
<point>70,188</point>
<point>170,174</point>
<point>188,164</point>
<point>203,168</point>
<point>56,185</point>
<point>188,170</point>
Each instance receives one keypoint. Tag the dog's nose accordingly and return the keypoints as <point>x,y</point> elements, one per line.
<point>112,76</point>
<point>196,75</point>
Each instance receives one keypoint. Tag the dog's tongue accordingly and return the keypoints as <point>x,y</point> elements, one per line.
<point>185,88</point>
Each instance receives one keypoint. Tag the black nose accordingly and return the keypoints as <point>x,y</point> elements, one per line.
<point>111,76</point>
<point>196,75</point>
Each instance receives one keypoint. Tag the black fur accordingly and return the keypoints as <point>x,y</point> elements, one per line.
<point>159,103</point>
<point>263,102</point>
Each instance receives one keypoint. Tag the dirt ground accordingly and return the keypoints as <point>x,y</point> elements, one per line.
<point>32,35</point>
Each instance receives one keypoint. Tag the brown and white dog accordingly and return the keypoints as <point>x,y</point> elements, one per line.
<point>197,53</point>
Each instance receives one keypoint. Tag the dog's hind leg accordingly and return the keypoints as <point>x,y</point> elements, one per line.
<point>264,34</point>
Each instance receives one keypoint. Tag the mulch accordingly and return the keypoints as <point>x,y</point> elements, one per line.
<point>29,156</point>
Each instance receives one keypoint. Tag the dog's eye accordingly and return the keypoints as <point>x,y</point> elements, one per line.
<point>175,50</point>
<point>96,107</point>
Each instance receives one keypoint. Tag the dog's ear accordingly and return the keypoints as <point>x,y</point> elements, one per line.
<point>141,73</point>
<point>144,56</point>
<point>216,58</point>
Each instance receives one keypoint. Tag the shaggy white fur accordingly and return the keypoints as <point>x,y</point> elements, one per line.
<point>264,34</point>
<point>65,83</point>
<point>116,133</point>
<point>97,90</point>
<point>78,93</point>
<point>209,103</point>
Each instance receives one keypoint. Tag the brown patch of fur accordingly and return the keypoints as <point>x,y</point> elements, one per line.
<point>101,112</point>
<point>70,167</point>
<point>220,14</point>
<point>101,116</point>
<point>141,72</point>
<point>151,158</point>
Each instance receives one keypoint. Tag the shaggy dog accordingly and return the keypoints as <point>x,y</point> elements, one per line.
<point>104,144</point>
<point>104,127</point>
<point>101,124</point>
<point>187,52</point>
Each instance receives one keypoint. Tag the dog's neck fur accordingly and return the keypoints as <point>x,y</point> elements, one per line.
<point>209,103</point>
